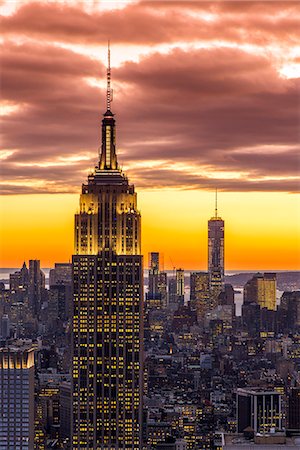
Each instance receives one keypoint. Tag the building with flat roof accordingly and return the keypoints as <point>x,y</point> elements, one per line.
<point>17,396</point>
<point>258,409</point>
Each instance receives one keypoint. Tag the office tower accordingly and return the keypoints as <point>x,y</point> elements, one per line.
<point>180,285</point>
<point>17,396</point>
<point>107,306</point>
<point>65,410</point>
<point>172,293</point>
<point>294,409</point>
<point>261,289</point>
<point>215,255</point>
<point>18,284</point>
<point>4,327</point>
<point>258,409</point>
<point>226,297</point>
<point>199,294</point>
<point>19,278</point>
<point>61,274</point>
<point>47,399</point>
<point>288,313</point>
<point>59,302</point>
<point>153,274</point>
<point>157,283</point>
<point>251,318</point>
<point>36,289</point>
<point>176,290</point>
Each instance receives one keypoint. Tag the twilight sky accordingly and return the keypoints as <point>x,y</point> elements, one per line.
<point>206,94</point>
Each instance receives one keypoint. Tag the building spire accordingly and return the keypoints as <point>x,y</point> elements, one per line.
<point>108,157</point>
<point>216,203</point>
<point>108,89</point>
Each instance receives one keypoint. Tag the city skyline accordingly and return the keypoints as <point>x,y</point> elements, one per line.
<point>138,137</point>
<point>169,101</point>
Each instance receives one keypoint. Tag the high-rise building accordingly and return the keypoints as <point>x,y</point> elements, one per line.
<point>17,396</point>
<point>288,316</point>
<point>36,287</point>
<point>18,285</point>
<point>61,274</point>
<point>215,256</point>
<point>199,293</point>
<point>4,326</point>
<point>261,289</point>
<point>153,274</point>
<point>259,409</point>
<point>176,290</point>
<point>180,285</point>
<point>107,332</point>
<point>157,283</point>
<point>65,409</point>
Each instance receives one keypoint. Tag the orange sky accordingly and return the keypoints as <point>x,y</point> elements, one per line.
<point>258,234</point>
<point>206,94</point>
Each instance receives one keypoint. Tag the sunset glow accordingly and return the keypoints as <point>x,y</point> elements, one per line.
<point>206,95</point>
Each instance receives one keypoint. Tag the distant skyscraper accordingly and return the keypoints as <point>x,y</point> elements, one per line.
<point>157,283</point>
<point>215,255</point>
<point>17,397</point>
<point>261,289</point>
<point>180,285</point>
<point>61,274</point>
<point>36,286</point>
<point>107,306</point>
<point>153,274</point>
<point>4,326</point>
<point>176,290</point>
<point>199,293</point>
<point>18,285</point>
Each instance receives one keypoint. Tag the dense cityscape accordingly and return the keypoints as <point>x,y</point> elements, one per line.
<point>100,357</point>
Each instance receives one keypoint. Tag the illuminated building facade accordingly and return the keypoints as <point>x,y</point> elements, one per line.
<point>17,396</point>
<point>261,289</point>
<point>215,256</point>
<point>107,306</point>
<point>199,293</point>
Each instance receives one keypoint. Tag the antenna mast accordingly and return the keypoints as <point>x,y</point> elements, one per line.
<point>216,204</point>
<point>108,91</point>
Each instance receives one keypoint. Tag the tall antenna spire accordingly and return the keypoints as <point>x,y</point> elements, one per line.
<point>216,203</point>
<point>108,91</point>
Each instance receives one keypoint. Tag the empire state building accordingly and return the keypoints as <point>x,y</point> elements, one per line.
<point>107,306</point>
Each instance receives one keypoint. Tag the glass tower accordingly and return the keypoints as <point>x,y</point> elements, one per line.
<point>215,256</point>
<point>107,306</point>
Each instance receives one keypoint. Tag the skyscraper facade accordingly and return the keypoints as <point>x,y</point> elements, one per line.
<point>215,256</point>
<point>261,289</point>
<point>36,289</point>
<point>107,306</point>
<point>157,283</point>
<point>199,293</point>
<point>17,396</point>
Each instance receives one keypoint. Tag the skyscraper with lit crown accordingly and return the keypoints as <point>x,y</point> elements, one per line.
<point>107,306</point>
<point>215,255</point>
